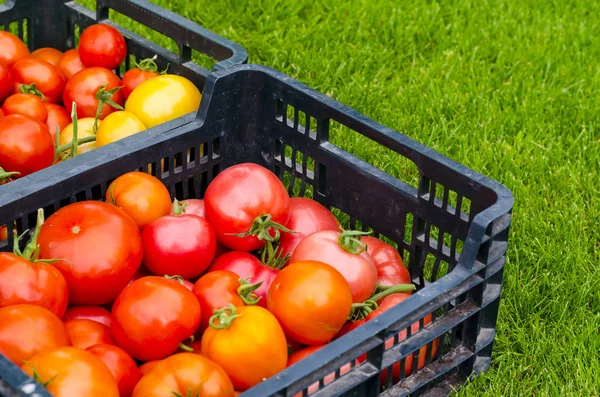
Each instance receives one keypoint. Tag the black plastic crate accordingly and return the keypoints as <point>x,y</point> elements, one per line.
<point>244,118</point>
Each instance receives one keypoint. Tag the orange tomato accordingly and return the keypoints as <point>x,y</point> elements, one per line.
<point>140,195</point>
<point>69,372</point>
<point>13,49</point>
<point>48,54</point>
<point>57,117</point>
<point>247,342</point>
<point>149,366</point>
<point>26,330</point>
<point>311,300</point>
<point>120,364</point>
<point>69,64</point>
<point>88,333</point>
<point>27,105</point>
<point>185,374</point>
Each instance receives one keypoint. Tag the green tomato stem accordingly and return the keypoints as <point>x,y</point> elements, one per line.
<point>349,240</point>
<point>360,311</point>
<point>223,318</point>
<point>246,291</point>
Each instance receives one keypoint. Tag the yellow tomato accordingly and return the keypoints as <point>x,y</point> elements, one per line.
<point>163,98</point>
<point>118,125</point>
<point>85,128</point>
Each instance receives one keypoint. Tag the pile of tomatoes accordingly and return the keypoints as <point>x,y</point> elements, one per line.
<point>141,296</point>
<point>58,105</point>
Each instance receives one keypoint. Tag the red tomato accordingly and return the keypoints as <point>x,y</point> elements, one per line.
<point>149,366</point>
<point>69,64</point>
<point>83,87</point>
<point>247,342</point>
<point>48,54</point>
<point>26,330</point>
<point>93,313</point>
<point>69,372</point>
<point>120,364</point>
<point>311,300</point>
<point>101,45</point>
<point>57,117</point>
<point>306,217</point>
<point>46,77</point>
<point>26,105</point>
<point>248,267</point>
<point>143,71</point>
<point>152,316</point>
<point>191,207</point>
<point>87,333</point>
<point>102,245</point>
<point>339,251</point>
<point>185,374</point>
<point>246,199</point>
<point>179,244</point>
<point>26,146</point>
<point>390,268</point>
<point>12,49</point>
<point>6,82</point>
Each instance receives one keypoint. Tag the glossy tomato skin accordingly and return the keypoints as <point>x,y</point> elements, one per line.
<point>102,245</point>
<point>26,330</point>
<point>94,313</point>
<point>252,348</point>
<point>103,46</point>
<point>70,63</point>
<point>179,244</point>
<point>22,281</point>
<point>358,269</point>
<point>147,367</point>
<point>152,316</point>
<point>26,146</point>
<point>82,89</point>
<point>57,117</point>
<point>6,82</point>
<point>120,364</point>
<point>311,300</point>
<point>134,77</point>
<point>74,372</point>
<point>87,333</point>
<point>185,373</point>
<point>116,126</point>
<point>12,47</point>
<point>26,105</point>
<point>306,217</point>
<point>48,54</point>
<point>141,196</point>
<point>240,194</point>
<point>46,77</point>
<point>247,266</point>
<point>390,268</point>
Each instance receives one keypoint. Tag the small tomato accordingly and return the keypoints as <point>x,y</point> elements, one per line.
<point>116,126</point>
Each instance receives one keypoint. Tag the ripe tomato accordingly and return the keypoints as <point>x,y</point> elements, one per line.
<point>185,374</point>
<point>85,128</point>
<point>87,333</point>
<point>57,117</point>
<point>12,47</point>
<point>26,330</point>
<point>103,46</point>
<point>249,200</point>
<point>152,316</point>
<point>93,313</point>
<point>390,268</point>
<point>145,70</point>
<point>116,126</point>
<point>191,206</point>
<point>69,64</point>
<point>26,146</point>
<point>48,54</point>
<point>247,342</point>
<point>140,195</point>
<point>306,217</point>
<point>163,98</point>
<point>341,251</point>
<point>99,248</point>
<point>3,233</point>
<point>120,364</point>
<point>26,105</point>
<point>68,372</point>
<point>83,88</point>
<point>311,300</point>
<point>6,82</point>
<point>148,366</point>
<point>47,78</point>
<point>248,267</point>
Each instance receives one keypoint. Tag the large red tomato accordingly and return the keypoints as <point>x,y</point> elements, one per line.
<point>103,46</point>
<point>46,77</point>
<point>26,330</point>
<point>26,146</point>
<point>306,217</point>
<point>341,251</point>
<point>57,117</point>
<point>27,105</point>
<point>94,313</point>
<point>83,89</point>
<point>6,82</point>
<point>152,316</point>
<point>69,64</point>
<point>390,268</point>
<point>247,205</point>
<point>98,247</point>
<point>11,49</point>
<point>120,364</point>
<point>87,333</point>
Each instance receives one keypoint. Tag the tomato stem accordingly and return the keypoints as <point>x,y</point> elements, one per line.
<point>148,64</point>
<point>360,311</point>
<point>31,89</point>
<point>261,228</point>
<point>178,207</point>
<point>38,378</point>
<point>72,146</point>
<point>271,256</point>
<point>6,177</point>
<point>175,278</point>
<point>185,347</point>
<point>349,240</point>
<point>104,97</point>
<point>223,318</point>
<point>246,291</point>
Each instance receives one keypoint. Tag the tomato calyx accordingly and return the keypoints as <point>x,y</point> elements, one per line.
<point>223,318</point>
<point>261,228</point>
<point>349,240</point>
<point>178,207</point>
<point>31,89</point>
<point>185,347</point>
<point>149,65</point>
<point>104,97</point>
<point>271,256</point>
<point>246,291</point>
<point>38,378</point>
<point>179,279</point>
<point>360,311</point>
<point>72,146</point>
<point>189,393</point>
<point>6,176</point>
